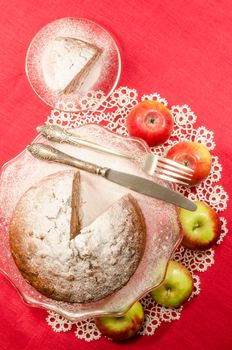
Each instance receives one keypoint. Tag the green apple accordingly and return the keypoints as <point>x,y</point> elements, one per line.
<point>176,288</point>
<point>201,228</point>
<point>124,327</point>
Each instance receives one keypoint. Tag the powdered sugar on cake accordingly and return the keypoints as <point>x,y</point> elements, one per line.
<point>52,65</point>
<point>63,59</point>
<point>87,268</point>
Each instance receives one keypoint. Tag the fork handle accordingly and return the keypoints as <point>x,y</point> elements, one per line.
<point>49,153</point>
<point>57,134</point>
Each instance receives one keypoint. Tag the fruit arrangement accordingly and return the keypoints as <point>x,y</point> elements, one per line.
<point>153,122</point>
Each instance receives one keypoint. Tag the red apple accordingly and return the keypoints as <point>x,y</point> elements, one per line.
<point>201,228</point>
<point>193,155</point>
<point>124,327</point>
<point>176,288</point>
<point>151,121</point>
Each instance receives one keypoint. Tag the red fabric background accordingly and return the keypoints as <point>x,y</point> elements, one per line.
<point>181,49</point>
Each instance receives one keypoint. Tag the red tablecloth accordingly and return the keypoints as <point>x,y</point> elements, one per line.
<point>181,49</point>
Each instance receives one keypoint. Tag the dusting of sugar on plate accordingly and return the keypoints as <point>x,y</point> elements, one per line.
<point>103,75</point>
<point>161,219</point>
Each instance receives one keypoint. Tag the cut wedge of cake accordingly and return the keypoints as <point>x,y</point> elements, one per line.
<point>66,62</point>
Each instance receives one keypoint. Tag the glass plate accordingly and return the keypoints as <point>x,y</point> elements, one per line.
<point>102,78</point>
<point>163,232</point>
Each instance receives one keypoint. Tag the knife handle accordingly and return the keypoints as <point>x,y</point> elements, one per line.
<point>49,153</point>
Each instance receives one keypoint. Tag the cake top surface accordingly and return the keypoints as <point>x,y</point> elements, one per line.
<point>97,262</point>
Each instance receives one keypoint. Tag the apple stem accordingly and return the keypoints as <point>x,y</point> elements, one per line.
<point>151,119</point>
<point>196,225</point>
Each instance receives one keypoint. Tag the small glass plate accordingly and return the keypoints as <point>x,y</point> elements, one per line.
<point>163,231</point>
<point>103,75</point>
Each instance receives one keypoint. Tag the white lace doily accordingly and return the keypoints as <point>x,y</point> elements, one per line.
<point>112,115</point>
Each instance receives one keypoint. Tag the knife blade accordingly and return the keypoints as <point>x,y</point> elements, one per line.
<point>133,182</point>
<point>150,188</point>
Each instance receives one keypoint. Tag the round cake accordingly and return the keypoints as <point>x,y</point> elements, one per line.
<point>83,266</point>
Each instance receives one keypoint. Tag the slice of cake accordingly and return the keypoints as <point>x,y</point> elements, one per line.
<point>85,266</point>
<point>66,62</point>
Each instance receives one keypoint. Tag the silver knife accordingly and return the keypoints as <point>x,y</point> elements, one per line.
<point>133,182</point>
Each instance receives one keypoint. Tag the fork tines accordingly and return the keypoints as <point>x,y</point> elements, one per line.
<point>170,170</point>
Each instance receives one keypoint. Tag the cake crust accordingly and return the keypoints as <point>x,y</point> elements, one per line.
<point>96,263</point>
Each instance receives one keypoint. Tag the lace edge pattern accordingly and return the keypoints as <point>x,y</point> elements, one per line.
<point>112,114</point>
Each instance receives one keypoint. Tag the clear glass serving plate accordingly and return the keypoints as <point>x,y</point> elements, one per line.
<point>163,232</point>
<point>102,77</point>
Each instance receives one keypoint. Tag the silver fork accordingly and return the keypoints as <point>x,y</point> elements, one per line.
<point>150,163</point>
